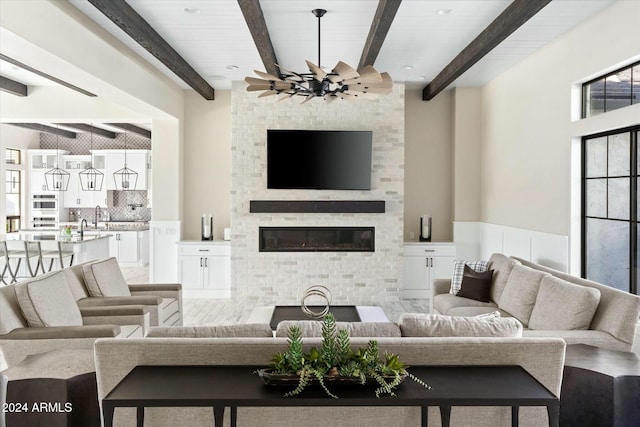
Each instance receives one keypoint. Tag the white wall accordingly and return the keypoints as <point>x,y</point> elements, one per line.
<point>527,130</point>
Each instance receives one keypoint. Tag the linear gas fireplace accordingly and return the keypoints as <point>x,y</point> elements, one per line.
<point>317,239</point>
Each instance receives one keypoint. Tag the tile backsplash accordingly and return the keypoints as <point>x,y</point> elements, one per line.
<point>127,206</point>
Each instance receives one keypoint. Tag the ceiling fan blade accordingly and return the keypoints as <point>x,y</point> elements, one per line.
<point>343,72</point>
<point>255,81</point>
<point>283,97</point>
<point>268,93</point>
<point>292,73</point>
<point>330,98</point>
<point>269,84</point>
<point>368,74</point>
<point>383,87</point>
<point>318,73</point>
<point>253,88</point>
<point>267,76</point>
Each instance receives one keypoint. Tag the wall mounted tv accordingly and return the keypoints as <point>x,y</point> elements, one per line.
<point>319,159</point>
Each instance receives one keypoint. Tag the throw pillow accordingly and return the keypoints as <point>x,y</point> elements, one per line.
<point>476,286</point>
<point>519,295</point>
<point>48,301</point>
<point>104,279</point>
<point>458,272</point>
<point>438,325</point>
<point>561,305</point>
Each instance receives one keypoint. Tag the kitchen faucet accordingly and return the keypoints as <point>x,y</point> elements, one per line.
<point>83,224</point>
<point>97,214</point>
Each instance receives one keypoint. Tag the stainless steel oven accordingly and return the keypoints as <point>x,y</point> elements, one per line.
<point>44,221</point>
<point>44,202</point>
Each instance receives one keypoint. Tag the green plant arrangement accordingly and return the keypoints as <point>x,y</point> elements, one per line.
<point>336,362</point>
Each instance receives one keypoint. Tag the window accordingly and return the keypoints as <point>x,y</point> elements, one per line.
<point>610,210</point>
<point>618,89</point>
<point>13,191</point>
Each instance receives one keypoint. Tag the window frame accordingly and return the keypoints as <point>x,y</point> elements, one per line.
<point>585,85</point>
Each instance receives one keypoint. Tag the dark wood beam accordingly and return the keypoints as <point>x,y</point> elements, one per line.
<point>45,75</point>
<point>512,18</point>
<point>378,32</point>
<point>129,21</point>
<point>89,128</point>
<point>258,27</point>
<point>131,128</point>
<point>44,128</point>
<point>13,87</point>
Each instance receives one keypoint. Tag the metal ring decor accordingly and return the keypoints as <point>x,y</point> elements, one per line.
<point>319,291</point>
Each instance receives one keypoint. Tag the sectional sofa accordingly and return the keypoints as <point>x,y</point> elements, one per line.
<point>550,303</point>
<point>541,357</point>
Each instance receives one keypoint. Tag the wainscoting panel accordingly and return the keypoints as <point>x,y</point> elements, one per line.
<point>551,250</point>
<point>163,266</point>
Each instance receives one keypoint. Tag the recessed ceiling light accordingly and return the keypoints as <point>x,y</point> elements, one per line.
<point>191,10</point>
<point>407,67</point>
<point>232,67</point>
<point>444,11</point>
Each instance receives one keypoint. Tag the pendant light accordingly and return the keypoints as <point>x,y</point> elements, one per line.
<point>91,179</point>
<point>57,179</point>
<point>125,178</point>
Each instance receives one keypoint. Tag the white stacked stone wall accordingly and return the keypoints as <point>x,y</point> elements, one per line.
<point>364,278</point>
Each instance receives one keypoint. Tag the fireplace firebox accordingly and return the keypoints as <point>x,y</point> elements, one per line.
<point>317,239</point>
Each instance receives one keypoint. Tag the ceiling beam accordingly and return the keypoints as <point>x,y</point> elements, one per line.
<point>132,128</point>
<point>45,75</point>
<point>512,18</point>
<point>13,87</point>
<point>254,17</point>
<point>89,128</point>
<point>44,128</point>
<point>129,21</point>
<point>380,25</point>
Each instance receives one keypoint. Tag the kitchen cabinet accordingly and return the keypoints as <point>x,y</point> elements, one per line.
<point>131,248</point>
<point>75,196</point>
<point>204,269</point>
<point>424,262</point>
<point>39,162</point>
<point>137,160</point>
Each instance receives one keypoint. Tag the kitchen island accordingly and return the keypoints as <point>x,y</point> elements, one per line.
<point>86,248</point>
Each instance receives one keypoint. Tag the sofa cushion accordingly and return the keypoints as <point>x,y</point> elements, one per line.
<point>476,285</point>
<point>255,330</point>
<point>501,266</point>
<point>437,325</point>
<point>104,279</point>
<point>443,303</point>
<point>561,305</point>
<point>10,313</point>
<point>47,301</point>
<point>313,328</point>
<point>519,295</point>
<point>458,272</point>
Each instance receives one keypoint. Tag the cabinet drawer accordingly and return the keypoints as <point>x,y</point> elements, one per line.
<point>429,250</point>
<point>204,250</point>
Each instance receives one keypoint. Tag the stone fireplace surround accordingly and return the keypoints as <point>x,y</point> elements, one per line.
<point>357,278</point>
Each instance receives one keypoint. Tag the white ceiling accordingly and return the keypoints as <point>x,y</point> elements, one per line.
<point>212,35</point>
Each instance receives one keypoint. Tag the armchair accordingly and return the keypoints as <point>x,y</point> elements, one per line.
<point>101,284</point>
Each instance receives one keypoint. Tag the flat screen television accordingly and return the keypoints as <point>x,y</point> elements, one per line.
<point>319,159</point>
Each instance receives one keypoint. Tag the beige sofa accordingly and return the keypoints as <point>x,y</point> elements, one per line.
<point>541,357</point>
<point>550,303</point>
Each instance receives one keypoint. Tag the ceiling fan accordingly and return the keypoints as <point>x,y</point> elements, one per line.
<point>342,82</point>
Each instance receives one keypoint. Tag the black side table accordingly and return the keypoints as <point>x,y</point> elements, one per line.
<point>600,387</point>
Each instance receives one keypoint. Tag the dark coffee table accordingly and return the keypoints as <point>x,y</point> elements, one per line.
<point>342,313</point>
<point>237,386</point>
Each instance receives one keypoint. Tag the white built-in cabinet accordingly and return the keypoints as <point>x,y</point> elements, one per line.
<point>40,161</point>
<point>75,196</point>
<point>204,269</point>
<point>131,248</point>
<point>137,160</point>
<point>424,262</point>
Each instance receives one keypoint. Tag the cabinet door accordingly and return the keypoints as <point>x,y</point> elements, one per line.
<point>136,161</point>
<point>38,182</point>
<point>71,198</point>
<point>442,267</point>
<point>128,246</point>
<point>216,272</point>
<point>416,274</point>
<point>190,271</point>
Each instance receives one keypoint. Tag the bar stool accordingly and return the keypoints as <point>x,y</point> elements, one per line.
<point>20,249</point>
<point>52,250</point>
<point>6,267</point>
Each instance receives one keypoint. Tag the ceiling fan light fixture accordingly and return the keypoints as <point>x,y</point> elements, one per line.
<point>342,81</point>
